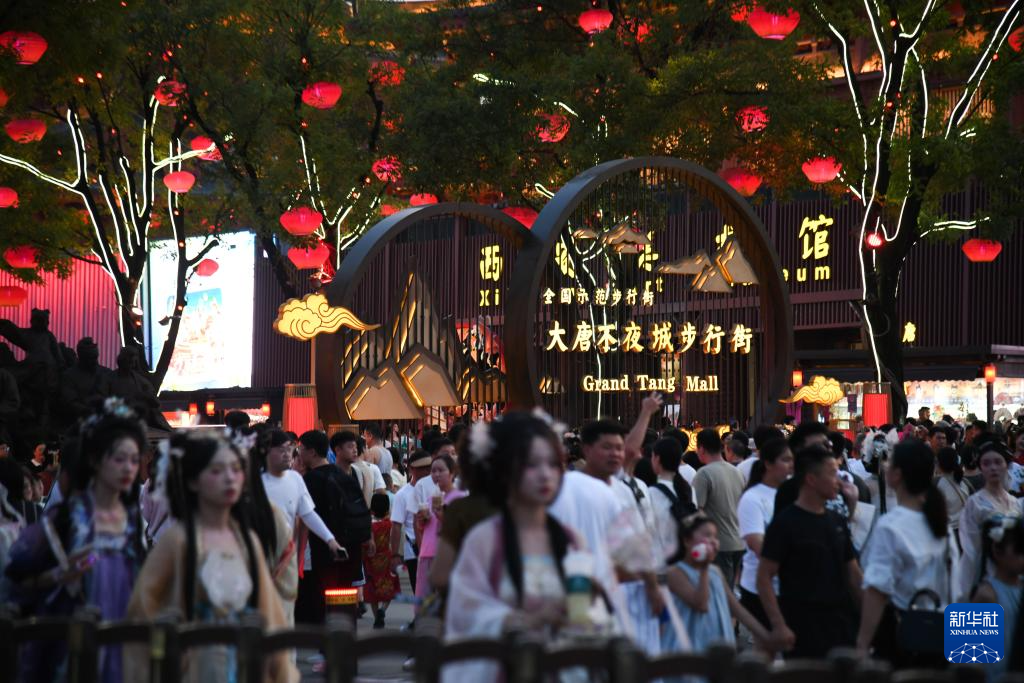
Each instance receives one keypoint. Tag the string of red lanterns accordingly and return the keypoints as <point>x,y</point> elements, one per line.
<point>744,181</point>
<point>12,295</point>
<point>595,20</point>
<point>8,198</point>
<point>169,93</point>
<point>387,169</point>
<point>179,182</point>
<point>29,47</point>
<point>305,258</point>
<point>321,95</point>
<point>772,26</point>
<point>200,142</point>
<point>523,214</point>
<point>422,199</point>
<point>752,119</point>
<point>22,257</point>
<point>207,267</point>
<point>821,169</point>
<point>552,128</point>
<point>301,221</point>
<point>981,251</point>
<point>25,131</point>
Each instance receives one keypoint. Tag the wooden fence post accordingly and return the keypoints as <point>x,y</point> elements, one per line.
<point>83,651</point>
<point>8,647</point>
<point>626,662</point>
<point>164,651</point>
<point>722,660</point>
<point>248,653</point>
<point>339,650</point>
<point>524,666</point>
<point>427,650</point>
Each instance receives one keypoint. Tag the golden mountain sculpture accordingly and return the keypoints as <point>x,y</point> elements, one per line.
<point>311,315</point>
<point>734,264</point>
<point>688,265</point>
<point>584,234</point>
<point>380,394</point>
<point>622,238</point>
<point>824,391</point>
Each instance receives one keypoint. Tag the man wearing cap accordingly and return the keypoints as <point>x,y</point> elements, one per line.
<point>403,515</point>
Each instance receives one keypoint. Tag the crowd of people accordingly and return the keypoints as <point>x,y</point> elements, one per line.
<point>793,539</point>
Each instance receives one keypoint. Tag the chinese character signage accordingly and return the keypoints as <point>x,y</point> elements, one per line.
<point>974,633</point>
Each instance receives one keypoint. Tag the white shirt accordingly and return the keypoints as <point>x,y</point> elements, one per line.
<point>289,493</point>
<point>425,490</point>
<point>403,512</point>
<point>902,557</point>
<point>383,458</point>
<point>756,508</point>
<point>688,473</point>
<point>665,525</point>
<point>589,506</point>
<point>745,467</point>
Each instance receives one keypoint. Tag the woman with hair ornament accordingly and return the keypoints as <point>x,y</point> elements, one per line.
<point>87,551</point>
<point>209,565</point>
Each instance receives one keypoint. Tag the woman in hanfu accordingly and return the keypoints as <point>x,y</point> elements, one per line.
<point>209,565</point>
<point>509,575</point>
<point>87,551</point>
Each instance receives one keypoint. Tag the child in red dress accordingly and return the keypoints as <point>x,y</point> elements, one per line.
<point>381,581</point>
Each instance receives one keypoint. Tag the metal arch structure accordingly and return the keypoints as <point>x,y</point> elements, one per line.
<point>773,294</point>
<point>341,289</point>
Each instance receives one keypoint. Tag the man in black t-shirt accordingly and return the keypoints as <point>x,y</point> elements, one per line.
<point>809,548</point>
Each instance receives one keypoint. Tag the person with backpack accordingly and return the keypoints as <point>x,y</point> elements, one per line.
<point>757,506</point>
<point>671,497</point>
<point>338,500</point>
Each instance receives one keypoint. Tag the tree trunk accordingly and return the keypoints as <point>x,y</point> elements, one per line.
<point>883,332</point>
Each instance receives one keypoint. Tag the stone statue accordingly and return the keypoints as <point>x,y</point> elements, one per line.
<point>129,382</point>
<point>10,397</point>
<point>82,384</point>
<point>37,375</point>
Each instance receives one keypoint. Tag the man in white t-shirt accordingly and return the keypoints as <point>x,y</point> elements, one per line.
<point>403,516</point>
<point>286,489</point>
<point>376,453</point>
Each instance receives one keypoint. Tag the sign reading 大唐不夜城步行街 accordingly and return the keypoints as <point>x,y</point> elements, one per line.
<point>974,633</point>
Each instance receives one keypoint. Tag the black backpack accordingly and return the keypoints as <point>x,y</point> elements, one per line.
<point>348,517</point>
<point>679,508</point>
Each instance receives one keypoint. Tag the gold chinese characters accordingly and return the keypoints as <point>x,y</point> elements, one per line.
<point>659,337</point>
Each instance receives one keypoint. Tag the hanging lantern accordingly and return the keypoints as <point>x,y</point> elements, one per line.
<point>772,26</point>
<point>26,130</point>
<point>169,93</point>
<point>981,251</point>
<point>389,210</point>
<point>874,240</point>
<point>553,127</point>
<point>11,295</point>
<point>207,267</point>
<point>179,181</point>
<point>387,169</point>
<point>200,142</point>
<point>743,181</point>
<point>386,73</point>
<point>4,98</point>
<point>265,410</point>
<point>422,199</point>
<point>798,378</point>
<point>301,221</point>
<point>193,409</point>
<point>990,373</point>
<point>27,45</point>
<point>877,410</point>
<point>1016,40</point>
<point>822,169</point>
<point>305,258</point>
<point>211,408</point>
<point>523,214</point>
<point>595,20</point>
<point>322,95</point>
<point>22,257</point>
<point>8,198</point>
<point>739,12</point>
<point>752,119</point>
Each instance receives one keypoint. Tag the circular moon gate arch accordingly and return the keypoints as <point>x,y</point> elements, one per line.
<point>421,275</point>
<point>589,239</point>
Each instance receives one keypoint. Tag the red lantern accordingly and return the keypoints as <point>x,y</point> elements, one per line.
<point>752,119</point>
<point>386,73</point>
<point>1016,39</point>
<point>874,240</point>
<point>422,199</point>
<point>26,130</point>
<point>27,45</point>
<point>743,181</point>
<point>4,97</point>
<point>822,169</point>
<point>322,95</point>
<point>772,26</point>
<point>169,93</point>
<point>387,169</point>
<point>553,128</point>
<point>981,251</point>
<point>11,295</point>
<point>990,373</point>
<point>389,210</point>
<point>739,12</point>
<point>22,257</point>
<point>211,408</point>
<point>523,214</point>
<point>595,20</point>
<point>876,410</point>
<point>201,142</point>
<point>305,258</point>
<point>179,181</point>
<point>798,378</point>
<point>265,410</point>
<point>301,221</point>
<point>193,409</point>
<point>207,267</point>
<point>8,198</point>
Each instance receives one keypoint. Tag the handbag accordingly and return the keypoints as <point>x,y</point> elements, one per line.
<point>921,630</point>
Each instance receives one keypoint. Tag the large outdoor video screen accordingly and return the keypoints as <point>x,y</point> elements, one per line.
<point>214,347</point>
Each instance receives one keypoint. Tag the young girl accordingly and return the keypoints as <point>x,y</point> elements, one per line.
<point>208,564</point>
<point>86,551</point>
<point>381,581</point>
<point>1003,548</point>
<point>442,471</point>
<point>702,595</point>
<point>993,499</point>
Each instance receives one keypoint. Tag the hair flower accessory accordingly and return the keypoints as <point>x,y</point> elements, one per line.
<point>243,442</point>
<point>480,442</point>
<point>1000,526</point>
